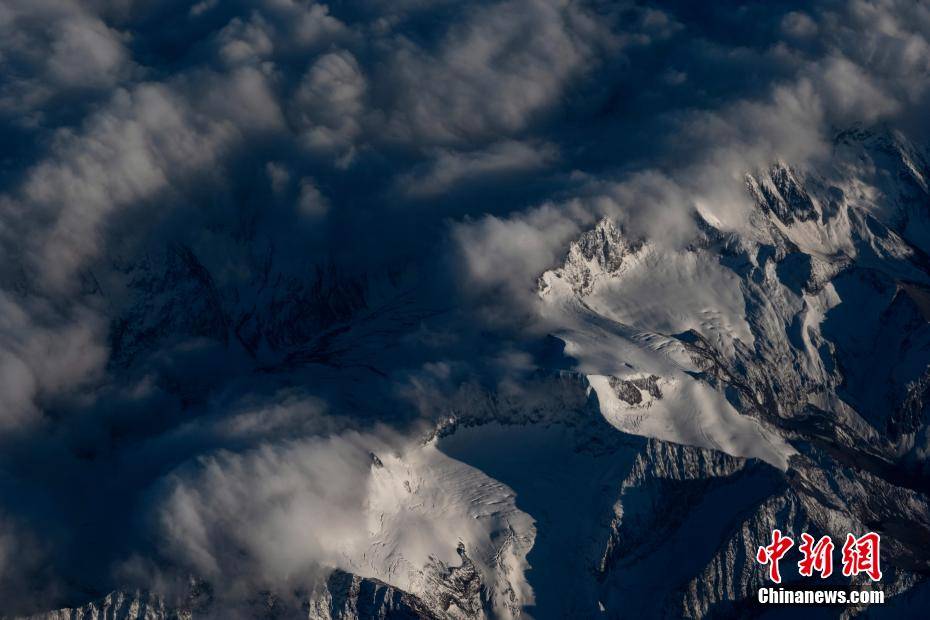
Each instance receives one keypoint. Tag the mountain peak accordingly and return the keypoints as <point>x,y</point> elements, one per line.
<point>780,191</point>
<point>597,252</point>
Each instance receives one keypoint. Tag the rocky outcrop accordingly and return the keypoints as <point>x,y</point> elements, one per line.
<point>599,252</point>
<point>343,596</point>
<point>348,597</point>
<point>118,606</point>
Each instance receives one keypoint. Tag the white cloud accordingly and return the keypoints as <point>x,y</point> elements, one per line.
<point>499,255</point>
<point>492,74</point>
<point>448,168</point>
<point>278,176</point>
<point>287,508</point>
<point>311,202</point>
<point>798,24</point>
<point>138,145</point>
<point>245,42</point>
<point>329,103</point>
<point>125,154</point>
<point>51,49</point>
<point>43,357</point>
<point>368,503</point>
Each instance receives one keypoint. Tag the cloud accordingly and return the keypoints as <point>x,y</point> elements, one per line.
<point>706,151</point>
<point>448,169</point>
<point>21,552</point>
<point>43,358</point>
<point>143,142</point>
<point>276,28</point>
<point>329,104</point>
<point>245,42</point>
<point>53,51</point>
<point>798,24</point>
<point>305,24</point>
<point>278,176</point>
<point>492,74</point>
<point>504,256</point>
<point>311,201</point>
<point>278,512</point>
<point>125,154</point>
<point>850,94</point>
<point>285,514</point>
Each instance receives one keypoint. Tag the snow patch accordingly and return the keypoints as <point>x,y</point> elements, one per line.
<point>693,414</point>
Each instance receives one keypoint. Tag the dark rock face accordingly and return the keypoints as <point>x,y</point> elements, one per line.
<point>177,299</point>
<point>781,193</point>
<point>631,391</point>
<point>604,245</point>
<point>914,412</point>
<point>795,200</point>
<point>596,253</point>
<point>118,606</point>
<point>456,591</point>
<point>353,597</point>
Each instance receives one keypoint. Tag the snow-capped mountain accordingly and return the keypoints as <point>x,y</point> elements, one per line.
<point>693,400</point>
<point>499,309</point>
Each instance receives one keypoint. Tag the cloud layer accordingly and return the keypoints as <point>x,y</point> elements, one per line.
<point>247,237</point>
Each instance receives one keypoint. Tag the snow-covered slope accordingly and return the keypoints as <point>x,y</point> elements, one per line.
<point>617,311</point>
